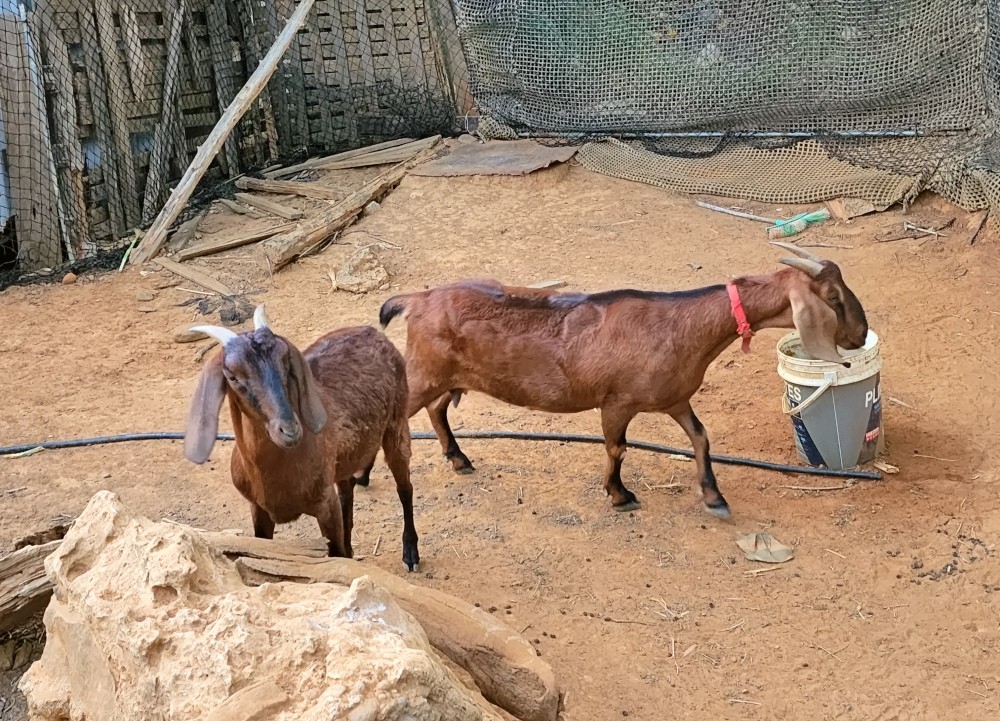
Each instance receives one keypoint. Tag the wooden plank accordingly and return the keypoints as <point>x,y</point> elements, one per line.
<point>450,56</point>
<point>383,17</point>
<point>163,137</point>
<point>229,243</point>
<point>324,135</point>
<point>415,70</point>
<point>316,162</point>
<point>237,208</point>
<point>251,48</point>
<point>312,233</point>
<point>31,167</point>
<point>269,206</point>
<point>137,71</point>
<point>278,90</point>
<point>153,240</point>
<point>185,232</point>
<point>368,100</point>
<point>24,588</point>
<point>114,71</point>
<point>382,157</point>
<point>222,69</point>
<point>196,276</point>
<point>294,81</point>
<point>290,187</point>
<point>70,166</point>
<point>200,70</point>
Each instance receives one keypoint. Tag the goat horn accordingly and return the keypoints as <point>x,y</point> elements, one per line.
<point>807,265</point>
<point>260,318</point>
<point>801,252</point>
<point>223,335</point>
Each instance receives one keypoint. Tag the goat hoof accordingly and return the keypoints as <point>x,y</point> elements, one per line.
<point>465,470</point>
<point>415,568</point>
<point>719,510</point>
<point>632,505</point>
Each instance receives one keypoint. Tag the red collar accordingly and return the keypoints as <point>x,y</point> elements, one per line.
<point>742,326</point>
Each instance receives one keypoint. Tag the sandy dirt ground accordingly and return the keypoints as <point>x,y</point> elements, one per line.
<point>889,610</point>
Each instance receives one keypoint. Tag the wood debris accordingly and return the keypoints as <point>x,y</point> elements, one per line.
<point>291,187</point>
<point>217,246</point>
<point>311,234</point>
<point>316,162</point>
<point>269,206</point>
<point>196,276</point>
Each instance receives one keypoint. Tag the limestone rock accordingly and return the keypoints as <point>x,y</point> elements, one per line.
<point>149,622</point>
<point>362,272</point>
<point>183,334</point>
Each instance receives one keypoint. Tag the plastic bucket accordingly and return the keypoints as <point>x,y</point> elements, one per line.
<point>836,412</point>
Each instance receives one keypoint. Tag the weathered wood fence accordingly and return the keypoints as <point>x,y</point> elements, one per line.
<point>104,102</point>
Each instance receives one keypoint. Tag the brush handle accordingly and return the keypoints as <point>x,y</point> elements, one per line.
<point>789,227</point>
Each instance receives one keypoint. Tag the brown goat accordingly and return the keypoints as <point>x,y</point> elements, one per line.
<point>305,423</point>
<point>622,351</point>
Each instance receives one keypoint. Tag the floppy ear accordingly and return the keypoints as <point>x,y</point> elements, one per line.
<point>203,415</point>
<point>816,323</point>
<point>310,404</point>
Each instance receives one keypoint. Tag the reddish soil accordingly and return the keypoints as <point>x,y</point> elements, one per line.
<point>888,610</point>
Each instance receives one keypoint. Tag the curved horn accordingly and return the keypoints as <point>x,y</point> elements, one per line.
<point>260,318</point>
<point>808,266</point>
<point>801,252</point>
<point>223,335</point>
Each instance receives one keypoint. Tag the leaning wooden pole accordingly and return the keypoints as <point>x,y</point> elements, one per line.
<point>157,233</point>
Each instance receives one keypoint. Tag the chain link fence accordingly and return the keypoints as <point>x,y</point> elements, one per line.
<point>103,103</point>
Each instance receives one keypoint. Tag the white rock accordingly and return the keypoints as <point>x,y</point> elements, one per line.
<point>148,622</point>
<point>362,272</point>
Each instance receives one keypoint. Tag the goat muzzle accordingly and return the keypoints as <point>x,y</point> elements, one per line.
<point>286,433</point>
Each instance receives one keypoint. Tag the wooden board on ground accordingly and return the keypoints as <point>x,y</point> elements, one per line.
<point>497,157</point>
<point>311,234</point>
<point>185,233</point>
<point>218,246</point>
<point>316,162</point>
<point>291,187</point>
<point>269,206</point>
<point>382,157</point>
<point>24,589</point>
<point>196,276</point>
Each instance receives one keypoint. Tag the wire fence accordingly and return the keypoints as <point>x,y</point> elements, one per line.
<point>103,103</point>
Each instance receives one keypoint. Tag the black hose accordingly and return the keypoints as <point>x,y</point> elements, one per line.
<point>509,435</point>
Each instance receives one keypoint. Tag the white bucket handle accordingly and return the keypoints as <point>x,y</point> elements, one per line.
<point>787,407</point>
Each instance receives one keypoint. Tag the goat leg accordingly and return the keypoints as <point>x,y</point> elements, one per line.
<point>345,490</point>
<point>711,496</point>
<point>332,527</point>
<point>438,412</point>
<point>263,525</point>
<point>396,447</point>
<point>614,422</point>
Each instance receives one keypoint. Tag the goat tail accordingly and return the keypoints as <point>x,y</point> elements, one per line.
<point>391,308</point>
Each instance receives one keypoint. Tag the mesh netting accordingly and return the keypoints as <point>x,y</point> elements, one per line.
<point>103,103</point>
<point>775,100</point>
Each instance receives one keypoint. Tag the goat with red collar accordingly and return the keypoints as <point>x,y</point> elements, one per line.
<point>624,352</point>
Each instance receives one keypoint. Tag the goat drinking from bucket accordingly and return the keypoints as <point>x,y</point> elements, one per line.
<point>622,351</point>
<point>305,423</point>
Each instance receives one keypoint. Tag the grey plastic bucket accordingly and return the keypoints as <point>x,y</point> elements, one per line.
<point>836,412</point>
